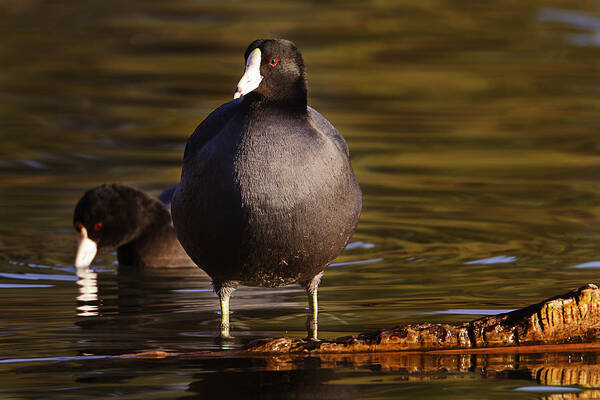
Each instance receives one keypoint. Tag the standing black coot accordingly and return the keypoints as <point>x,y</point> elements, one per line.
<point>139,225</point>
<point>267,194</point>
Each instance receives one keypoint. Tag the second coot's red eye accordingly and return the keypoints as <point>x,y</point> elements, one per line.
<point>98,226</point>
<point>273,62</point>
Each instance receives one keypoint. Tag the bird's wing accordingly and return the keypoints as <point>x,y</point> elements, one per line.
<point>325,127</point>
<point>212,125</point>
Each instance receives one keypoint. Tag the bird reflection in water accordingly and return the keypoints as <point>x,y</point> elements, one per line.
<point>87,292</point>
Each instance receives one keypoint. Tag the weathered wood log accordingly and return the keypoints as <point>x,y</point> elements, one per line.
<point>570,318</point>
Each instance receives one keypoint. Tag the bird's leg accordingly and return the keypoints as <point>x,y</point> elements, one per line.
<point>312,322</point>
<point>224,292</point>
<point>224,299</point>
<point>313,306</point>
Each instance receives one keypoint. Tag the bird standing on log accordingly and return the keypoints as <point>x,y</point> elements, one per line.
<point>267,195</point>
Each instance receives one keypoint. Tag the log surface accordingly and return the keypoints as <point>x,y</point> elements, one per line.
<point>573,317</point>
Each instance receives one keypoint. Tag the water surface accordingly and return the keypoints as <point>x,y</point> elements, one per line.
<point>473,129</point>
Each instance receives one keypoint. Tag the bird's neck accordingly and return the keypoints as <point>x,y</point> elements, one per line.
<point>150,217</point>
<point>291,98</point>
<point>141,250</point>
<point>260,106</point>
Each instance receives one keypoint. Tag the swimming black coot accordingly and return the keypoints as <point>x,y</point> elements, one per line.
<point>138,225</point>
<point>267,194</point>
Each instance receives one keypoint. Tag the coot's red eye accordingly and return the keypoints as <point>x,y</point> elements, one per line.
<point>98,226</point>
<point>273,62</point>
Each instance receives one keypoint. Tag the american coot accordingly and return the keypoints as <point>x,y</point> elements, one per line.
<point>138,225</point>
<point>267,194</point>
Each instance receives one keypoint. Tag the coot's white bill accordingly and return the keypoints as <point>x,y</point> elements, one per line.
<point>86,250</point>
<point>251,78</point>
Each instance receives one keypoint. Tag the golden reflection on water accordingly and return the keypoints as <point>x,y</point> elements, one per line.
<point>562,369</point>
<point>577,373</point>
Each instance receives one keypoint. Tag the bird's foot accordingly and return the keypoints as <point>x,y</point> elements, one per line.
<point>224,330</point>
<point>226,342</point>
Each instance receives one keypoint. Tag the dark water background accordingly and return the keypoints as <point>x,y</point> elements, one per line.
<point>474,133</point>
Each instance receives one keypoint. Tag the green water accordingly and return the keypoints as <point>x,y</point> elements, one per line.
<point>474,133</point>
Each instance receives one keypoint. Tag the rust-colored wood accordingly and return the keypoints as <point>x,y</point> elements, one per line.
<point>566,319</point>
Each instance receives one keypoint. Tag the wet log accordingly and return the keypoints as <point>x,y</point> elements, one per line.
<point>573,317</point>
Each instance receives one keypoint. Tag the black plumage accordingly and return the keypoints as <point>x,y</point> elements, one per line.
<point>267,195</point>
<point>138,225</point>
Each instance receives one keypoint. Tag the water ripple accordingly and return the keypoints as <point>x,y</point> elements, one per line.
<point>21,286</point>
<point>493,260</point>
<point>373,260</point>
<point>547,389</point>
<point>359,245</point>
<point>37,277</point>
<point>469,311</point>
<point>37,359</point>
<point>591,264</point>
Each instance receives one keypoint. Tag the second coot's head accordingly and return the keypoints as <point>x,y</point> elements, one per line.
<point>113,215</point>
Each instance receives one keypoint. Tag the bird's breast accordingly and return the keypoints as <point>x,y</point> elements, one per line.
<point>280,171</point>
<point>269,203</point>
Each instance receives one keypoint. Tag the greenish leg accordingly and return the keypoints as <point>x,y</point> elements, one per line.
<point>224,291</point>
<point>224,300</point>
<point>312,324</point>
<point>313,306</point>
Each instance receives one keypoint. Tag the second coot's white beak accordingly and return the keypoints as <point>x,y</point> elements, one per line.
<point>86,250</point>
